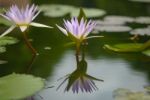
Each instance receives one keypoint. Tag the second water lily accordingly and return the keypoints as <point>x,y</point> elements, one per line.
<point>77,30</point>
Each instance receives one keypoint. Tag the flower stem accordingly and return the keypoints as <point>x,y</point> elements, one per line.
<point>34,52</point>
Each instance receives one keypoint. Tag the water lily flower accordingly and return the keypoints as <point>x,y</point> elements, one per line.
<point>22,17</point>
<point>77,30</point>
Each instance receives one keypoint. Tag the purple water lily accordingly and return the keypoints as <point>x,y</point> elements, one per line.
<point>22,17</point>
<point>78,29</point>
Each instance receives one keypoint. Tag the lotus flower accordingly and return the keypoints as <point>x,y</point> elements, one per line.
<point>22,18</point>
<point>77,30</point>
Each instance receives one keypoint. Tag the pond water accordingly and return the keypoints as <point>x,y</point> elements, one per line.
<point>56,59</point>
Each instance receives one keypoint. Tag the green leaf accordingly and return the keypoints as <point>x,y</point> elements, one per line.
<point>127,47</point>
<point>81,15</point>
<point>57,10</point>
<point>146,52</point>
<point>19,86</point>
<point>5,21</point>
<point>2,50</point>
<point>89,12</point>
<point>7,41</point>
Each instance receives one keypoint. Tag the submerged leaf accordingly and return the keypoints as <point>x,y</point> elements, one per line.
<point>19,86</point>
<point>128,47</point>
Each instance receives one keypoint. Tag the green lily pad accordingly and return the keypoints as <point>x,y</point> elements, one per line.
<point>2,62</point>
<point>144,1</point>
<point>128,47</point>
<point>57,10</point>
<point>89,12</point>
<point>19,86</point>
<point>146,52</point>
<point>2,50</point>
<point>7,41</point>
<point>5,21</point>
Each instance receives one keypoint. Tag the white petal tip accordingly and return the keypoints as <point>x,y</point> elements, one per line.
<point>23,28</point>
<point>62,29</point>
<point>39,25</point>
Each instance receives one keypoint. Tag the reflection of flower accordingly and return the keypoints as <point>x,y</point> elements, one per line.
<point>22,17</point>
<point>79,80</point>
<point>77,30</point>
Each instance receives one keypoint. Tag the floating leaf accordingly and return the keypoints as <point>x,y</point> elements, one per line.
<point>145,1</point>
<point>126,94</point>
<point>112,28</point>
<point>89,12</point>
<point>18,86</point>
<point>146,52</point>
<point>57,10</point>
<point>3,62</point>
<point>119,18</point>
<point>109,22</point>
<point>142,20</point>
<point>141,31</point>
<point>2,50</point>
<point>128,47</point>
<point>7,40</point>
<point>5,22</point>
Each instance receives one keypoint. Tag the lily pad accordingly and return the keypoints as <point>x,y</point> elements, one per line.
<point>112,28</point>
<point>144,1</point>
<point>7,40</point>
<point>89,12</point>
<point>143,20</point>
<point>19,86</point>
<point>2,50</point>
<point>5,22</point>
<point>54,10</point>
<point>128,47</point>
<point>119,18</point>
<point>141,31</point>
<point>58,10</point>
<point>2,62</point>
<point>147,52</point>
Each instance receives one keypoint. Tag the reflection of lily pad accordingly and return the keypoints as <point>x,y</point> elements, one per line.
<point>17,86</point>
<point>147,52</point>
<point>89,12</point>
<point>128,47</point>
<point>57,10</point>
<point>7,41</point>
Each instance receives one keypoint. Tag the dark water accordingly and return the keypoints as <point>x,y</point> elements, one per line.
<point>128,70</point>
